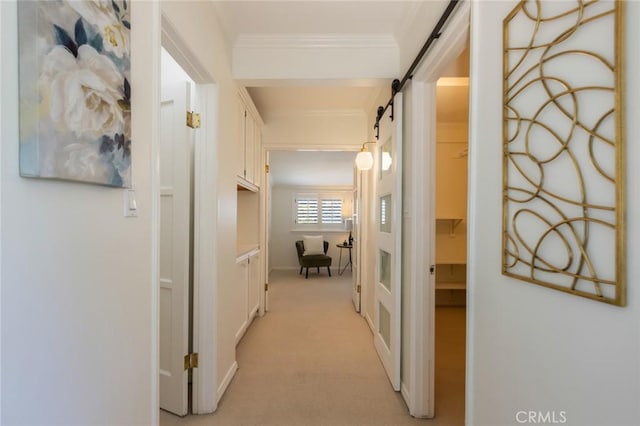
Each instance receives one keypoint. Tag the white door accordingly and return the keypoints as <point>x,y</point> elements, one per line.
<point>355,250</point>
<point>388,242</point>
<point>175,165</point>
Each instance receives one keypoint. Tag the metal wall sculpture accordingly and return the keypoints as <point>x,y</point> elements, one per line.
<point>563,176</point>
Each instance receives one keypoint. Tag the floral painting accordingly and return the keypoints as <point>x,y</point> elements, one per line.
<point>75,95</point>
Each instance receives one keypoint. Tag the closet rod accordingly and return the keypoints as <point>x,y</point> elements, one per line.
<point>397,85</point>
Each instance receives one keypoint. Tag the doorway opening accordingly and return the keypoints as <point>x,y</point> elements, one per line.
<point>185,224</point>
<point>311,193</point>
<point>452,112</point>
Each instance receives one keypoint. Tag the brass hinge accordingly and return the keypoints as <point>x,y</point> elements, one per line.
<point>191,361</point>
<point>193,120</point>
<point>359,288</point>
<point>266,287</point>
<point>266,168</point>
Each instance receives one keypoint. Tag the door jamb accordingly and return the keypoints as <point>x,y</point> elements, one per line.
<point>264,203</point>
<point>421,332</point>
<point>205,280</point>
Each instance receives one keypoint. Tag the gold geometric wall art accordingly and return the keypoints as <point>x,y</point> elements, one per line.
<point>563,147</point>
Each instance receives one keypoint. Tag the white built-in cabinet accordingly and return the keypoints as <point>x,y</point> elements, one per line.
<point>249,144</point>
<point>247,291</point>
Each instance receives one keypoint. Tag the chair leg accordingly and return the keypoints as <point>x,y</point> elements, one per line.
<point>301,270</point>
<point>329,269</point>
<point>307,274</point>
<point>318,269</point>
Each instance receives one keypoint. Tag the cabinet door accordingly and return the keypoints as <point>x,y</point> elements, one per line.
<point>249,149</point>
<point>254,284</point>
<point>241,313</point>
<point>257,145</point>
<point>240,142</point>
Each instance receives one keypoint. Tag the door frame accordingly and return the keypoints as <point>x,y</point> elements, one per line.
<point>264,204</point>
<point>420,390</point>
<point>205,312</point>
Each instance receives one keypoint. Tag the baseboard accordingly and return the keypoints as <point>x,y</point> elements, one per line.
<point>227,379</point>
<point>285,268</point>
<point>241,331</point>
<point>371,326</point>
<point>405,394</point>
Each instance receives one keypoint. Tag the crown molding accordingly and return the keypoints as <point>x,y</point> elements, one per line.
<point>297,113</point>
<point>315,41</point>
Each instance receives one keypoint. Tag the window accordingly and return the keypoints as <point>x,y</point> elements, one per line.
<point>306,211</point>
<point>319,211</point>
<point>331,211</point>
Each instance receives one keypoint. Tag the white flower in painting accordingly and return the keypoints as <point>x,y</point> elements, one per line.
<point>83,92</point>
<point>115,36</point>
<point>83,162</point>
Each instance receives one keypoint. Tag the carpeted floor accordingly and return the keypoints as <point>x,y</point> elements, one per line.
<point>311,361</point>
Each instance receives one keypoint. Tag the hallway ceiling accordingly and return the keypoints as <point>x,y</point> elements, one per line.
<point>315,17</point>
<point>374,31</point>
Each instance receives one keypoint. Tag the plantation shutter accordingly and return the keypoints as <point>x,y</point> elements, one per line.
<point>332,211</point>
<point>307,211</point>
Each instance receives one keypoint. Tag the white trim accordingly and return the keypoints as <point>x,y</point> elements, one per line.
<point>404,391</point>
<point>370,322</point>
<point>205,258</point>
<point>227,380</point>
<point>180,51</point>
<point>248,103</point>
<point>422,323</point>
<point>313,148</point>
<point>154,363</point>
<point>448,47</point>
<point>205,308</point>
<point>3,138</point>
<point>315,41</point>
<point>344,112</point>
<point>242,330</point>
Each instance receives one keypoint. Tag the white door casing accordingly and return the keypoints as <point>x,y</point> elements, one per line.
<point>355,250</point>
<point>421,333</point>
<point>175,218</point>
<point>388,246</point>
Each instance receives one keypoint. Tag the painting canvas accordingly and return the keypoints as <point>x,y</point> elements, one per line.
<point>75,96</point>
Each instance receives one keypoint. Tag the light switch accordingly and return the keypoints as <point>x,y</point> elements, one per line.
<point>130,204</point>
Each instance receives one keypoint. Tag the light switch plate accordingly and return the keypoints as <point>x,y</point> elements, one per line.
<point>130,203</point>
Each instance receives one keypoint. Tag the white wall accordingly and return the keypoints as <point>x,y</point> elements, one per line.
<point>78,278</point>
<point>282,249</point>
<point>314,129</point>
<point>529,347</point>
<point>76,275</point>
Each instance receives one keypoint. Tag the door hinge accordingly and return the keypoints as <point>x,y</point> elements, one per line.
<point>359,289</point>
<point>266,168</point>
<point>266,287</point>
<point>432,269</point>
<point>191,361</point>
<point>193,120</point>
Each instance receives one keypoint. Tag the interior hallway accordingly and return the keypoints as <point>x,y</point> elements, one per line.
<point>311,361</point>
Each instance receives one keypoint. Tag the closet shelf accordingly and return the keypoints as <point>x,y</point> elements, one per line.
<point>453,223</point>
<point>451,262</point>
<point>450,286</point>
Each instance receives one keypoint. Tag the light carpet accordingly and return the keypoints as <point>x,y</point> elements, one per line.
<point>311,361</point>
